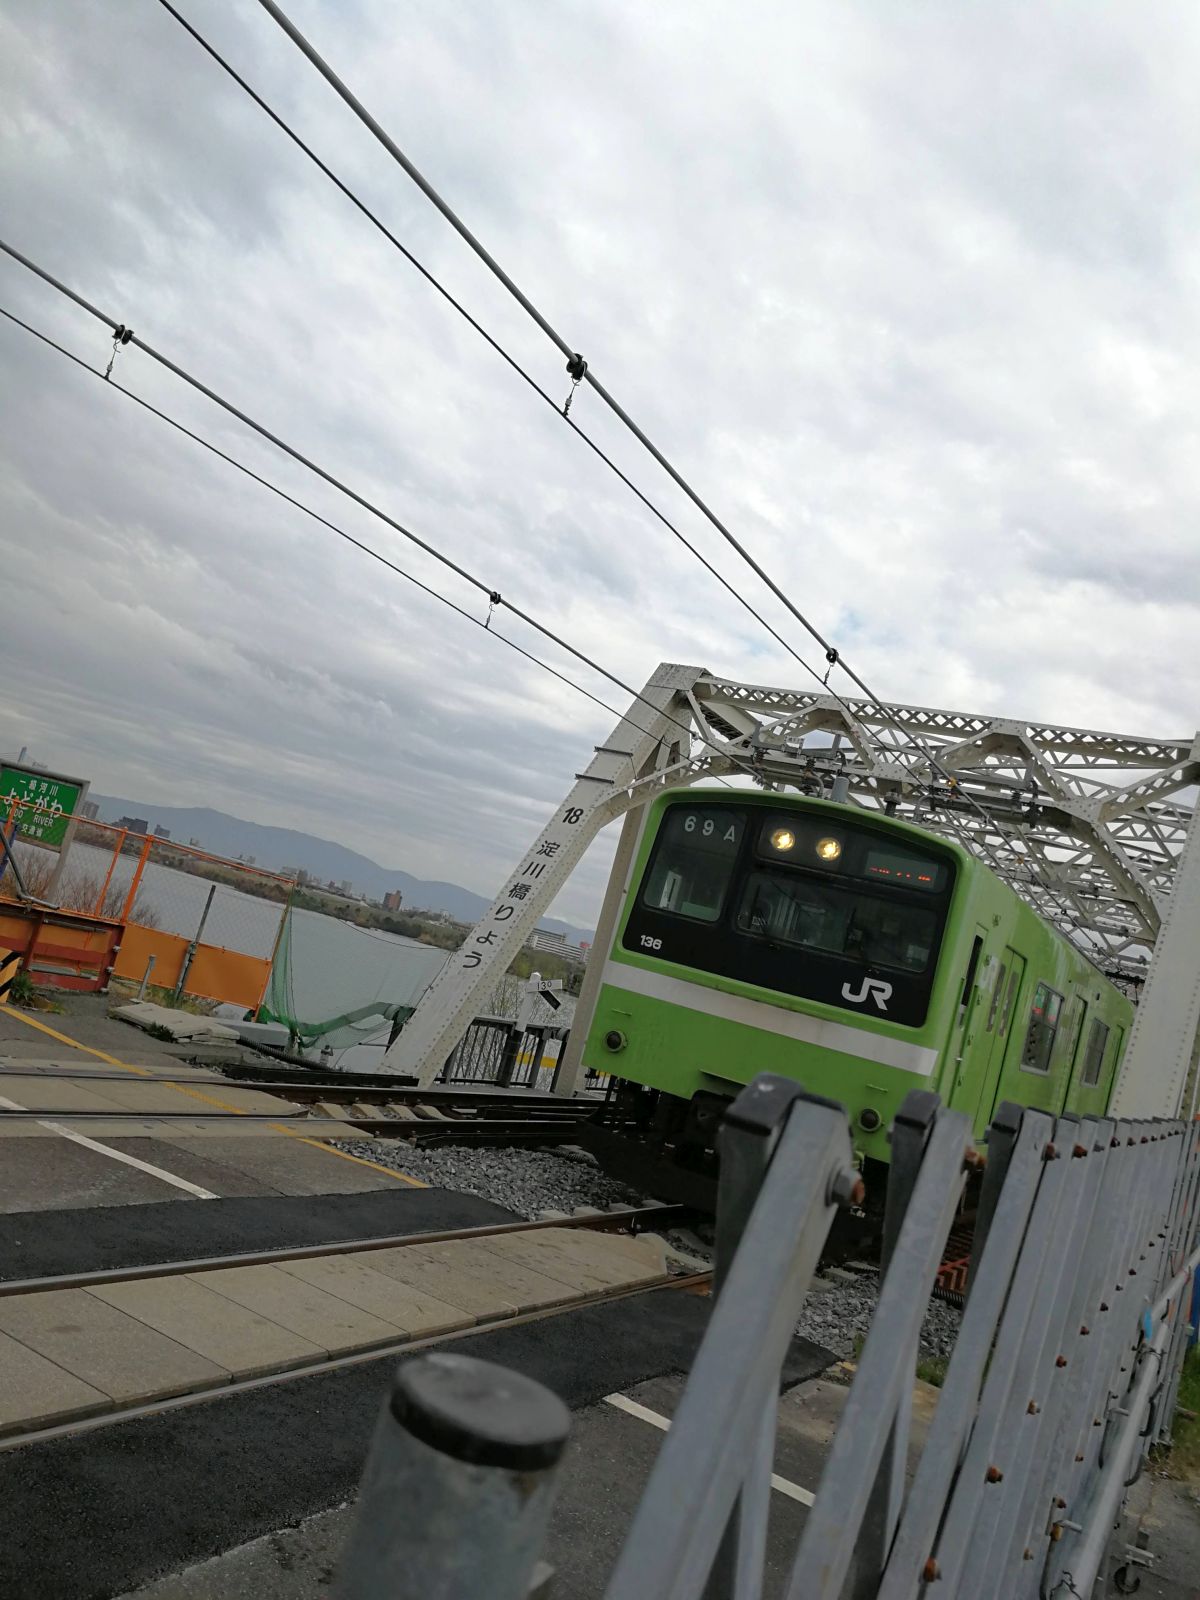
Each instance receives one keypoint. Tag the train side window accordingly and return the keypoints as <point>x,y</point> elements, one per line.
<point>1014,984</point>
<point>1043,1026</point>
<point>1073,1034</point>
<point>997,996</point>
<point>968,981</point>
<point>1094,1059</point>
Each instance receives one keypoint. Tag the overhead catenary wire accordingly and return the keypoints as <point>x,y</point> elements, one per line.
<point>489,339</point>
<point>576,363</point>
<point>361,500</point>
<point>581,370</point>
<point>832,655</point>
<point>578,371</point>
<point>127,336</point>
<point>299,505</point>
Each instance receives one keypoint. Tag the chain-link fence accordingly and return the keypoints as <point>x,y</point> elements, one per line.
<point>210,924</point>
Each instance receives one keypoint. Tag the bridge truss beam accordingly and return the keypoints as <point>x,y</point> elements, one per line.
<point>1089,827</point>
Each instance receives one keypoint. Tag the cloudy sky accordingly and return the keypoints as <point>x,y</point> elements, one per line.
<point>909,291</point>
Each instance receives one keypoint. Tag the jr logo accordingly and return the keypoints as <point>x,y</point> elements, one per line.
<point>873,989</point>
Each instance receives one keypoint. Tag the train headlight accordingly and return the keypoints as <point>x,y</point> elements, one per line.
<point>869,1119</point>
<point>782,839</point>
<point>829,849</point>
<point>615,1040</point>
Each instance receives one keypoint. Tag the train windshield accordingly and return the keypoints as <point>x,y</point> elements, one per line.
<point>797,901</point>
<point>837,919</point>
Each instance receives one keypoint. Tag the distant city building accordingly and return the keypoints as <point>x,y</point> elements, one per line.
<point>162,833</point>
<point>543,939</point>
<point>134,824</point>
<point>393,900</point>
<point>584,947</point>
<point>90,811</point>
<point>195,842</point>
<point>346,886</point>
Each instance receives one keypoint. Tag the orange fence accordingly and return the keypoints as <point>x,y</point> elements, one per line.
<point>61,948</point>
<point>210,924</point>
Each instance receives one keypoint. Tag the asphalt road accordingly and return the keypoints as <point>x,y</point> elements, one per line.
<point>94,1516</point>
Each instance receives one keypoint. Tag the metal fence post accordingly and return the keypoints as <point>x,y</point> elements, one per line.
<point>456,1494</point>
<point>747,1141</point>
<point>714,1453</point>
<point>863,1465</point>
<point>150,960</point>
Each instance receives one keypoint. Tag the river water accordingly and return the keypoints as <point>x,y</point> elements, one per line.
<point>328,967</point>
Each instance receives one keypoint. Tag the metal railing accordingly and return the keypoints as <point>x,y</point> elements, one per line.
<point>500,1052</point>
<point>1063,1374</point>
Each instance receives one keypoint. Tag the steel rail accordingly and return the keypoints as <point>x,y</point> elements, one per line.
<point>604,1222</point>
<point>533,1100</point>
<point>694,1283</point>
<point>124,1114</point>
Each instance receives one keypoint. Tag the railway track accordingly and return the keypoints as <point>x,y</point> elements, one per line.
<point>630,1222</point>
<point>421,1116</point>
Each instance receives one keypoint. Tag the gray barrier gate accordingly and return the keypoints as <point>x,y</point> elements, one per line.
<point>1063,1375</point>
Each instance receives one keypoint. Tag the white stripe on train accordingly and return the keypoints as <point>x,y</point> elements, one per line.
<point>920,1060</point>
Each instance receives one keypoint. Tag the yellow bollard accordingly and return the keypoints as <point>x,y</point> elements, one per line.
<point>10,965</point>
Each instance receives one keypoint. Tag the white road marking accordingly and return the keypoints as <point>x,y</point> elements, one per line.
<point>116,1155</point>
<point>644,1414</point>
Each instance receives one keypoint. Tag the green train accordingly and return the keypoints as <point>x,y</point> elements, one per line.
<point>857,953</point>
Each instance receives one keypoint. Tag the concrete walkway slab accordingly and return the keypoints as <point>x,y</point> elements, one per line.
<point>323,1319</point>
<point>283,1163</point>
<point>423,1269</point>
<point>179,1024</point>
<point>74,1177</point>
<point>52,1097</point>
<point>528,1288</point>
<point>580,1259</point>
<point>192,1162</point>
<point>36,1392</point>
<point>352,1278</point>
<point>116,1354</point>
<point>243,1342</point>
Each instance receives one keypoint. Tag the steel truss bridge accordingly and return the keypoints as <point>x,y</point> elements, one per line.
<point>1096,830</point>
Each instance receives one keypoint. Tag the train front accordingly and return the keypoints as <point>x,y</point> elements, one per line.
<point>765,933</point>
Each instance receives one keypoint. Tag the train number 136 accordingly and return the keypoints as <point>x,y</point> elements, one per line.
<point>649,943</point>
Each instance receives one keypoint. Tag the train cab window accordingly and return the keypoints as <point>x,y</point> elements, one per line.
<point>693,861</point>
<point>1043,1026</point>
<point>838,919</point>
<point>1094,1059</point>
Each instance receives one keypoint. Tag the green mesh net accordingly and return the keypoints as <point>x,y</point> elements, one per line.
<point>337,984</point>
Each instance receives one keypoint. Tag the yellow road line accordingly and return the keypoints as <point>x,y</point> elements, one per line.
<point>223,1105</point>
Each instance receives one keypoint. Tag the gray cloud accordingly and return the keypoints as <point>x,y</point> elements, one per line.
<point>907,293</point>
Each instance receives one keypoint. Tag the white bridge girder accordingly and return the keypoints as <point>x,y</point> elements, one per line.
<point>1089,827</point>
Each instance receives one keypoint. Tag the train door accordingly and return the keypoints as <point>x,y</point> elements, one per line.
<point>1001,1025</point>
<point>1075,1051</point>
<point>1112,1069</point>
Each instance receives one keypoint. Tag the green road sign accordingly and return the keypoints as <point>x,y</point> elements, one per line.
<point>51,804</point>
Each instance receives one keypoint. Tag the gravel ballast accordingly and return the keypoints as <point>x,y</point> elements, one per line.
<point>525,1181</point>
<point>840,1303</point>
<point>840,1306</point>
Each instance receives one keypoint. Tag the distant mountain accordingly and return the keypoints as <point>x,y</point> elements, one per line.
<point>277,848</point>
